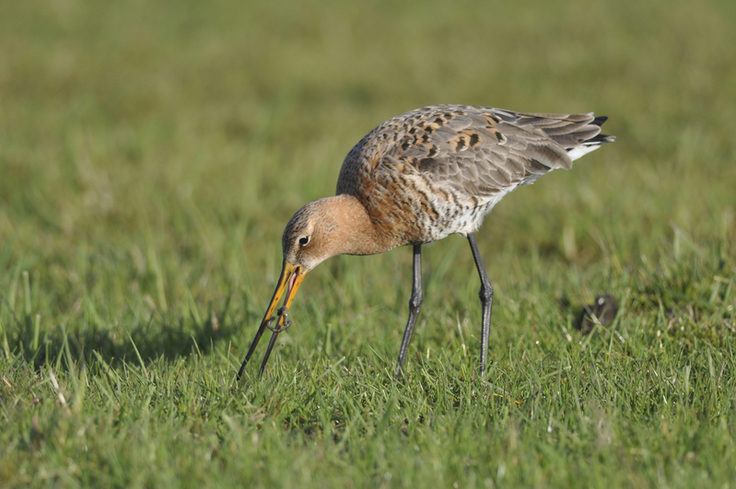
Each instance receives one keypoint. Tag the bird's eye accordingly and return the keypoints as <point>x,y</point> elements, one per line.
<point>304,241</point>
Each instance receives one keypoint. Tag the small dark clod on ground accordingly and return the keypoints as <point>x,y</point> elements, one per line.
<point>604,309</point>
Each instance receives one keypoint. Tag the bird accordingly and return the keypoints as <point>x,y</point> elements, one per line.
<point>420,177</point>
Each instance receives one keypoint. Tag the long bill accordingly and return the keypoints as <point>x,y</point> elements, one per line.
<point>289,282</point>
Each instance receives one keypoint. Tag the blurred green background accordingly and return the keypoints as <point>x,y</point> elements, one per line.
<point>192,131</point>
<point>152,151</point>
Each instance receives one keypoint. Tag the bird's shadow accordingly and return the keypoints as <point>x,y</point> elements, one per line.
<point>169,335</point>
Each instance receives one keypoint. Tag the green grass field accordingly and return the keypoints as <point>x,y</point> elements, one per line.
<point>151,153</point>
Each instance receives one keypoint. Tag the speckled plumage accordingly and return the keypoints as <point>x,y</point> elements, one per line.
<point>420,177</point>
<point>439,170</point>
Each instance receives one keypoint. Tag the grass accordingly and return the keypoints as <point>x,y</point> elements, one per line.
<point>151,153</point>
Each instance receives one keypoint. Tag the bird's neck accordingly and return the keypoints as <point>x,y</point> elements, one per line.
<point>358,233</point>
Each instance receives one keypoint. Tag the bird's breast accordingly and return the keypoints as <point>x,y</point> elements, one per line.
<point>411,208</point>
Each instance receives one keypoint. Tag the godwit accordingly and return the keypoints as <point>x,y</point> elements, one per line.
<point>420,177</point>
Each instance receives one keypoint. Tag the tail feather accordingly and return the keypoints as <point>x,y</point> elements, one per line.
<point>589,144</point>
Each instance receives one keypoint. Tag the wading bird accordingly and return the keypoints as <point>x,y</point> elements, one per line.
<point>420,177</point>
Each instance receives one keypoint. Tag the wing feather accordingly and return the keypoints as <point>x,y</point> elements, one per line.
<point>476,150</point>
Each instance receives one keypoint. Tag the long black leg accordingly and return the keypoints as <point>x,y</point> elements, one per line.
<point>415,303</point>
<point>486,302</point>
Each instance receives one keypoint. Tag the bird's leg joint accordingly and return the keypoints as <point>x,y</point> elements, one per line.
<point>282,311</point>
<point>486,292</point>
<point>416,299</point>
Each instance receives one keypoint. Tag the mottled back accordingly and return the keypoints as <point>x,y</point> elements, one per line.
<point>435,159</point>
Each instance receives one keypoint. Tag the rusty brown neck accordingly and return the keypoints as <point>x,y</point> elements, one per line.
<point>355,233</point>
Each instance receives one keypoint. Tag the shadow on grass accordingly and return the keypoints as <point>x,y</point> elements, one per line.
<point>168,335</point>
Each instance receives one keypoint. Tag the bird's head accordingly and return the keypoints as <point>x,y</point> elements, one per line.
<point>312,235</point>
<point>318,231</point>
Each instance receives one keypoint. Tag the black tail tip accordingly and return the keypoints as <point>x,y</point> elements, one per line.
<point>601,138</point>
<point>598,121</point>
